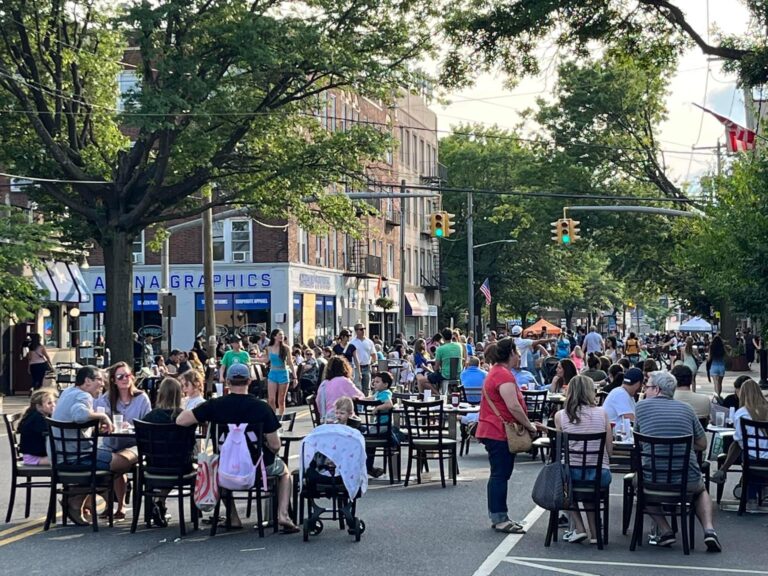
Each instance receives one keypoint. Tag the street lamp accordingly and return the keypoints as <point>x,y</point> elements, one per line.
<point>471,274</point>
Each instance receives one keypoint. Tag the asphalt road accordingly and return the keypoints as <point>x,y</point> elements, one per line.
<point>422,530</point>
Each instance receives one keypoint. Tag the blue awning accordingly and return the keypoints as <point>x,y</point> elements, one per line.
<point>62,282</point>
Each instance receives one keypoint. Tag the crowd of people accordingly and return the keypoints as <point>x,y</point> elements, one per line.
<point>605,382</point>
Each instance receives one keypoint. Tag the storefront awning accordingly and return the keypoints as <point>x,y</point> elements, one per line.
<point>414,307</point>
<point>62,282</point>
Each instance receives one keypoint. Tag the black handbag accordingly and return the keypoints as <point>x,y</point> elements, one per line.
<point>552,489</point>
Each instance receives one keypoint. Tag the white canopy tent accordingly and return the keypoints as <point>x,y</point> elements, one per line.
<point>696,324</point>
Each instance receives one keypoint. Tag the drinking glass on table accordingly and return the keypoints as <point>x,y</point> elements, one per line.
<point>117,420</point>
<point>720,419</point>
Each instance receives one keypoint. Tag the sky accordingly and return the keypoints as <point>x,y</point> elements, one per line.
<point>696,80</point>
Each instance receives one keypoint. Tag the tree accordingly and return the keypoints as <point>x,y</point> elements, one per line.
<point>227,96</point>
<point>22,244</point>
<point>507,33</point>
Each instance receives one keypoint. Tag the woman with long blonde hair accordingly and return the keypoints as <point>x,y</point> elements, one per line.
<point>753,406</point>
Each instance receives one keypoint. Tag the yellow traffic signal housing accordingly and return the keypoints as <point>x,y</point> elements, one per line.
<point>564,231</point>
<point>449,224</point>
<point>437,225</point>
<point>556,231</point>
<point>573,230</point>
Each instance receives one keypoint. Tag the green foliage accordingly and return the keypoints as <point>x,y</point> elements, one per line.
<point>497,32</point>
<point>727,252</point>
<point>23,245</point>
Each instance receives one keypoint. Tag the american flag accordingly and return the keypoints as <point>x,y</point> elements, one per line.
<point>738,138</point>
<point>485,288</point>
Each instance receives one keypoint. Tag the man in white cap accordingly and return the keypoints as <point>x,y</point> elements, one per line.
<point>526,346</point>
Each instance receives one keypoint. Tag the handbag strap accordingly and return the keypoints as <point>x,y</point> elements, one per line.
<point>493,407</point>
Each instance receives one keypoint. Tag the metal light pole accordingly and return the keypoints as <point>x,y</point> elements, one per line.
<point>470,266</point>
<point>471,263</point>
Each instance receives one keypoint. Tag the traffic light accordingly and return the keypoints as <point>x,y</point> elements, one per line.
<point>556,231</point>
<point>437,225</point>
<point>564,230</point>
<point>573,230</point>
<point>449,224</point>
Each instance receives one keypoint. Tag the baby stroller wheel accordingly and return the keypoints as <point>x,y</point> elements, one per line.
<point>357,529</point>
<point>737,491</point>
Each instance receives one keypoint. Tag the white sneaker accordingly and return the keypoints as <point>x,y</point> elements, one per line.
<point>575,537</point>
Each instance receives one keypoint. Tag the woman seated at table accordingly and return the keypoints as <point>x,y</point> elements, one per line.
<point>122,397</point>
<point>337,382</point>
<point>192,386</point>
<point>167,408</point>
<point>754,407</point>
<point>581,416</point>
<point>564,373</point>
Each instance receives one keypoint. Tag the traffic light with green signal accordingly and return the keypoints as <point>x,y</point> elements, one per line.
<point>449,224</point>
<point>565,231</point>
<point>573,230</point>
<point>437,225</point>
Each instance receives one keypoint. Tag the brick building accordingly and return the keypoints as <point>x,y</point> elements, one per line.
<point>271,274</point>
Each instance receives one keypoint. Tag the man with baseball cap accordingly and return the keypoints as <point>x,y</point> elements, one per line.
<point>239,407</point>
<point>365,355</point>
<point>621,401</point>
<point>526,346</point>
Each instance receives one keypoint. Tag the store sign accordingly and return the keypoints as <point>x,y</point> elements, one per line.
<point>314,282</point>
<point>251,329</point>
<point>192,281</point>
<point>145,302</point>
<point>150,330</point>
<point>236,301</point>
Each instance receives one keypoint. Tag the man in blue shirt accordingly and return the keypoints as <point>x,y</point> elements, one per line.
<point>472,378</point>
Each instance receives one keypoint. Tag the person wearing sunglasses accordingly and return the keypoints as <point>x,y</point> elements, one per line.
<point>122,397</point>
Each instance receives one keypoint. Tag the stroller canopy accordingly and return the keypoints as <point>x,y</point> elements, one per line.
<point>346,447</point>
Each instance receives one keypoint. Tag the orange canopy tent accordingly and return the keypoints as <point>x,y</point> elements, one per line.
<point>541,323</point>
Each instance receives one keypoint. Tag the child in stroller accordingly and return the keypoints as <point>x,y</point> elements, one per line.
<point>333,468</point>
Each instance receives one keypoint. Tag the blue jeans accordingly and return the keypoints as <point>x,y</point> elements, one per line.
<point>502,462</point>
<point>588,474</point>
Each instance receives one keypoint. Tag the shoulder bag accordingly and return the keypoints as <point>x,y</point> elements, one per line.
<point>552,489</point>
<point>518,438</point>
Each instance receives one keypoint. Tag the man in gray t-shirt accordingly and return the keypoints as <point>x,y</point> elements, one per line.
<point>663,416</point>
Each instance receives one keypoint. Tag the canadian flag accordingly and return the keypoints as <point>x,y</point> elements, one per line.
<point>737,138</point>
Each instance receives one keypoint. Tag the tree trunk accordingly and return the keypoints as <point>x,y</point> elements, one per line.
<point>568,313</point>
<point>118,276</point>
<point>493,312</point>
<point>524,317</point>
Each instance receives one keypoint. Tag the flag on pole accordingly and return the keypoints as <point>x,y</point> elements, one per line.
<point>485,288</point>
<point>378,288</point>
<point>737,138</point>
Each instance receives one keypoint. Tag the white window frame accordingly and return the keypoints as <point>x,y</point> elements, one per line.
<point>126,80</point>
<point>226,239</point>
<point>137,256</point>
<point>303,238</point>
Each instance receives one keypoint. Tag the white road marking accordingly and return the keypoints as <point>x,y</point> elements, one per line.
<point>515,560</point>
<point>548,568</point>
<point>502,550</point>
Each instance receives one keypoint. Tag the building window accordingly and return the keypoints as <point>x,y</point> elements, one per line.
<point>415,153</point>
<point>334,248</point>
<point>303,246</point>
<point>422,265</point>
<point>390,261</point>
<point>232,241</point>
<point>127,89</point>
<point>332,113</point>
<point>138,249</point>
<point>402,144</point>
<point>407,148</point>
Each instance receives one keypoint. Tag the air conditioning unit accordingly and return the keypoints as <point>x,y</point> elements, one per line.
<point>137,258</point>
<point>19,184</point>
<point>239,256</point>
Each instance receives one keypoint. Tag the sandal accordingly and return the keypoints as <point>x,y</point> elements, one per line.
<point>509,527</point>
<point>288,528</point>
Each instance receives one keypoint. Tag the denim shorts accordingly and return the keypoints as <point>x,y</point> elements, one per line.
<point>103,459</point>
<point>588,474</point>
<point>717,369</point>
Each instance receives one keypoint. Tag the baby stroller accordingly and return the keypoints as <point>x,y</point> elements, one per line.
<point>332,468</point>
<point>549,368</point>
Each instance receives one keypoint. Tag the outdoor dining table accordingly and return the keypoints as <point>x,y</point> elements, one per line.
<point>453,413</point>
<point>723,431</point>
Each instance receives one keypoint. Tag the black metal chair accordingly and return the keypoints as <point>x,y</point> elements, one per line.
<point>74,449</point>
<point>536,405</point>
<point>256,492</point>
<point>454,370</point>
<point>661,466</point>
<point>288,421</point>
<point>166,462</point>
<point>314,414</point>
<point>585,453</point>
<point>377,431</point>
<point>428,438</point>
<point>19,470</point>
<point>754,458</point>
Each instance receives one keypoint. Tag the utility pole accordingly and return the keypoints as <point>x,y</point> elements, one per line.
<point>401,315</point>
<point>470,266</point>
<point>210,311</point>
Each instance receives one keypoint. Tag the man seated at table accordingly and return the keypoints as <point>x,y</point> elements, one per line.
<point>701,403</point>
<point>472,378</point>
<point>76,405</point>
<point>620,402</point>
<point>662,416</point>
<point>239,407</point>
<point>442,366</point>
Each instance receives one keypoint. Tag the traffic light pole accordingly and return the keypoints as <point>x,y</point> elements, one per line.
<point>470,268</point>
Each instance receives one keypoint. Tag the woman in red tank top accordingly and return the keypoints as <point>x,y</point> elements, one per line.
<point>501,389</point>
